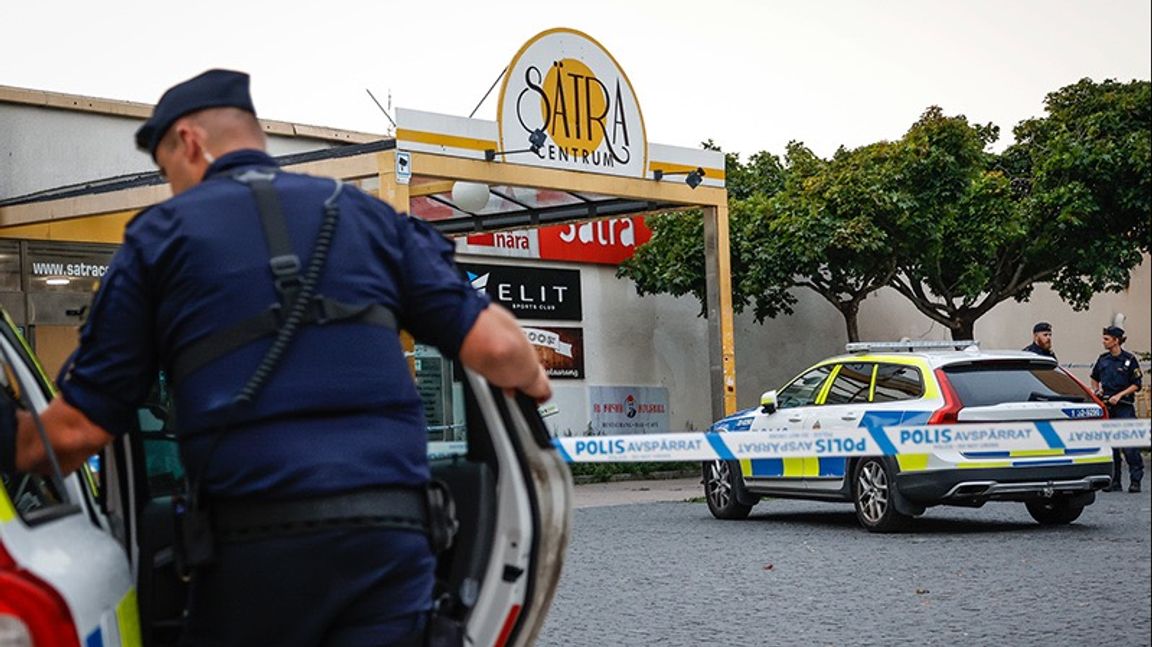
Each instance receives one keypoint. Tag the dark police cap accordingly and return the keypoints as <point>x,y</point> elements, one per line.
<point>1114,331</point>
<point>1043,326</point>
<point>212,89</point>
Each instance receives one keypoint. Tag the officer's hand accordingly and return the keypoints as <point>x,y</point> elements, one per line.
<point>541,388</point>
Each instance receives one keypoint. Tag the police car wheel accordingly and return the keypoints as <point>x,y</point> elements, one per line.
<point>1054,512</point>
<point>720,491</point>
<point>872,493</point>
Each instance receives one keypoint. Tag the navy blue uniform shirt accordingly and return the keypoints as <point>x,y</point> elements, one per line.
<point>341,412</point>
<point>1117,373</point>
<point>1034,348</point>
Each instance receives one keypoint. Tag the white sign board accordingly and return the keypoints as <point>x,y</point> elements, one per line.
<point>403,167</point>
<point>616,410</point>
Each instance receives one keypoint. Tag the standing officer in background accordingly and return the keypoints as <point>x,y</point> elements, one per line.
<point>1116,378</point>
<point>1041,340</point>
<point>273,301</point>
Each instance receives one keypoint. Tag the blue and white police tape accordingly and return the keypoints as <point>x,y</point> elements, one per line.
<point>857,441</point>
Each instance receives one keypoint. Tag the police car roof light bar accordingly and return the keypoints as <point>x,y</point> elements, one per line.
<point>910,346</point>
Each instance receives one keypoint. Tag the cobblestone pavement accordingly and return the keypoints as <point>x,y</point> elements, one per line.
<point>803,573</point>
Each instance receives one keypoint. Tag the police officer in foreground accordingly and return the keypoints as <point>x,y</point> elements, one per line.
<point>273,301</point>
<point>1116,378</point>
<point>1041,340</point>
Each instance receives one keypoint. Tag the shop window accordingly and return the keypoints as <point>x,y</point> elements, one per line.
<point>440,383</point>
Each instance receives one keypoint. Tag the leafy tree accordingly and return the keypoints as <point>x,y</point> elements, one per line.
<point>1067,204</point>
<point>950,226</point>
<point>828,230</point>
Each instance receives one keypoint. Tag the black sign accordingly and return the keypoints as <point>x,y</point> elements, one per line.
<point>529,292</point>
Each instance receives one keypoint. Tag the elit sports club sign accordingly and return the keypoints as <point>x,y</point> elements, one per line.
<point>564,83</point>
<point>529,292</point>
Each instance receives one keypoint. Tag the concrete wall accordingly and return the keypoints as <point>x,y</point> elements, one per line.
<point>42,148</point>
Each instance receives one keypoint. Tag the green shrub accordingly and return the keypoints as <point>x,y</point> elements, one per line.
<point>600,472</point>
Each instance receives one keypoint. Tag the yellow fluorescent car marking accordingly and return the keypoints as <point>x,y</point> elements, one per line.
<point>827,386</point>
<point>1093,459</point>
<point>746,466</point>
<point>912,462</point>
<point>6,511</point>
<point>1022,453</point>
<point>794,467</point>
<point>128,618</point>
<point>812,466</point>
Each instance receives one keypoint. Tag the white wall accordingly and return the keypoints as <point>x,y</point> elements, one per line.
<point>42,148</point>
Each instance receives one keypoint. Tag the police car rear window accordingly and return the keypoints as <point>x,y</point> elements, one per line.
<point>985,384</point>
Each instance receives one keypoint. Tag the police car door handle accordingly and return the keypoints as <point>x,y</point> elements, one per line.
<point>849,416</point>
<point>795,419</point>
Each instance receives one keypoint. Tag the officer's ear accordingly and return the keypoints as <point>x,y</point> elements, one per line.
<point>190,140</point>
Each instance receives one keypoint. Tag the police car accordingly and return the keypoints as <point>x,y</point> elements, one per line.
<point>87,559</point>
<point>918,383</point>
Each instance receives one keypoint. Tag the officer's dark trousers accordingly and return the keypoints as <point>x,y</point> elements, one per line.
<point>1131,454</point>
<point>336,588</point>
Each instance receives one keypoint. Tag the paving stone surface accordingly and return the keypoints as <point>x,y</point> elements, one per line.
<point>649,566</point>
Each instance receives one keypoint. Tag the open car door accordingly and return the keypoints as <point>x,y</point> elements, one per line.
<point>512,496</point>
<point>64,580</point>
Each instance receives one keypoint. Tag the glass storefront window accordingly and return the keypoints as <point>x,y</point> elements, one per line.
<point>441,393</point>
<point>9,266</point>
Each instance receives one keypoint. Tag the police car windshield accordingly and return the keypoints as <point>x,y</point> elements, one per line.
<point>991,383</point>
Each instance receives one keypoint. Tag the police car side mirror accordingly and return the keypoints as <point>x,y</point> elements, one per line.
<point>768,402</point>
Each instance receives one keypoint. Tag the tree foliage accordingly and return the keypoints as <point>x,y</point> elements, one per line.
<point>829,229</point>
<point>954,228</point>
<point>1067,205</point>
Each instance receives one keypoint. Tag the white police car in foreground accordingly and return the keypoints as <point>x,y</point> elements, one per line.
<point>918,383</point>
<point>87,559</point>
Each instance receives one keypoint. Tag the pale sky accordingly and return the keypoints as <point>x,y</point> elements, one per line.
<point>750,75</point>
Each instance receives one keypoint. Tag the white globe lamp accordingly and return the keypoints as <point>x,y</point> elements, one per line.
<point>470,196</point>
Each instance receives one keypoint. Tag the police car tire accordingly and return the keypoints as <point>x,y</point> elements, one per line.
<point>1054,512</point>
<point>873,495</point>
<point>720,490</point>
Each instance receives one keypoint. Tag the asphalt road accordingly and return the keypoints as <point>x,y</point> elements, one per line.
<point>803,573</point>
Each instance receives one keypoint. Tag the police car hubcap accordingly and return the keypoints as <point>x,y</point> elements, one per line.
<point>872,492</point>
<point>719,485</point>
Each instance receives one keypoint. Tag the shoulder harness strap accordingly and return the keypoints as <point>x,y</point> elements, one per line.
<point>285,266</point>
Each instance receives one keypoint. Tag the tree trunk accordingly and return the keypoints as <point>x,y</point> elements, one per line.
<point>850,310</point>
<point>963,328</point>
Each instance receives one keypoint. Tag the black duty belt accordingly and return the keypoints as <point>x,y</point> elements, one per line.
<point>398,508</point>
